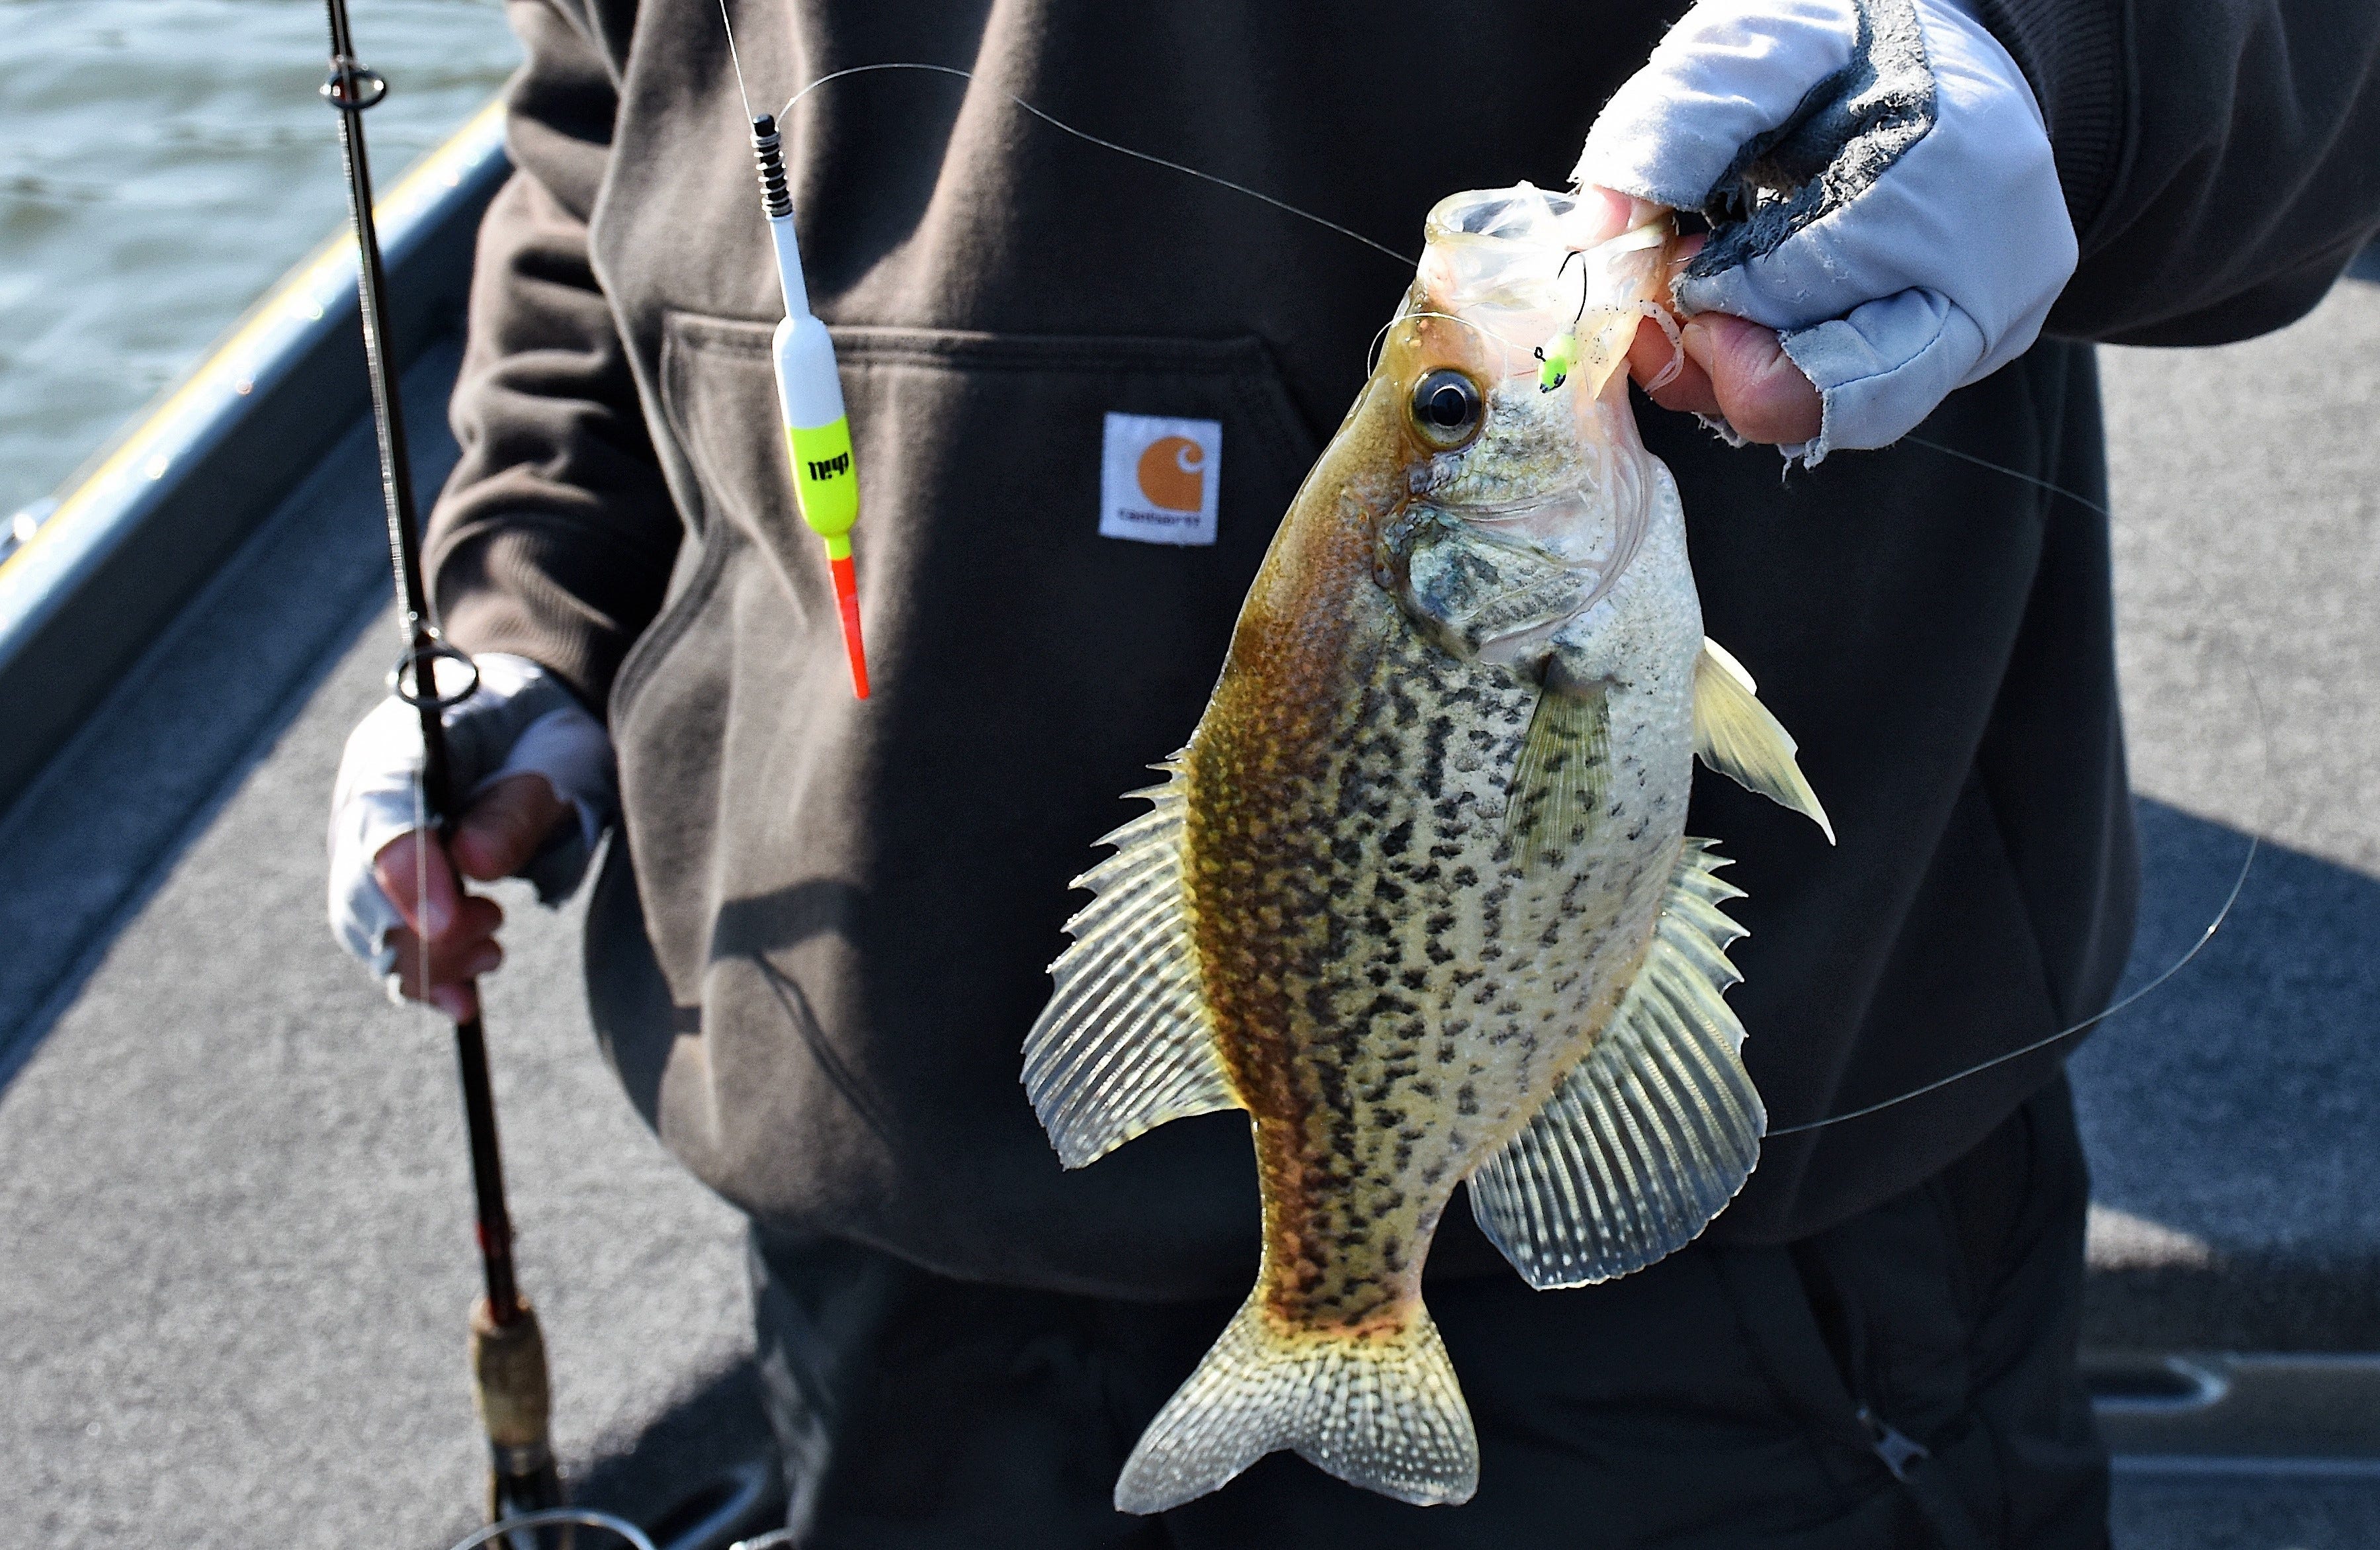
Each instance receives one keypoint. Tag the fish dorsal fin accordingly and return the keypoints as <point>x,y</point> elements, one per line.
<point>1124,1045</point>
<point>1652,1133</point>
<point>1736,736</point>
<point>1563,774</point>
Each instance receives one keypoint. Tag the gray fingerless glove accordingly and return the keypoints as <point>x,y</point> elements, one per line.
<point>521,721</point>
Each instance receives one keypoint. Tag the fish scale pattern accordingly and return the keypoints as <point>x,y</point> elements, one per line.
<point>1392,995</point>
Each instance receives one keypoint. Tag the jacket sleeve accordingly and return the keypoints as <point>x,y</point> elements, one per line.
<point>2220,158</point>
<point>554,536</point>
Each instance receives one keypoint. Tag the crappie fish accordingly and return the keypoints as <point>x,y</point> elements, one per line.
<point>1417,894</point>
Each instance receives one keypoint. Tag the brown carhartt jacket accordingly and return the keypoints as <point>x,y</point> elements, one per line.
<point>815,957</point>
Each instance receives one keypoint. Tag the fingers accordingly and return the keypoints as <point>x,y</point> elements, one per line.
<point>454,963</point>
<point>1754,383</point>
<point>419,882</point>
<point>1735,370</point>
<point>508,824</point>
<point>459,928</point>
<point>1610,213</point>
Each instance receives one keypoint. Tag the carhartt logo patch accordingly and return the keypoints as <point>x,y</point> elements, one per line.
<point>1159,478</point>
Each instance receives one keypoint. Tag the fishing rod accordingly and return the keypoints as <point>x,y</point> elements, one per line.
<point>507,1350</point>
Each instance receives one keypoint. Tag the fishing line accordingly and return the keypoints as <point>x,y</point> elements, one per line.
<point>2247,862</point>
<point>736,59</point>
<point>1056,122</point>
<point>2239,882</point>
<point>421,869</point>
<point>1372,355</point>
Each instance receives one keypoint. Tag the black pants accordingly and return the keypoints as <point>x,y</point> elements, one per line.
<point>1905,1379</point>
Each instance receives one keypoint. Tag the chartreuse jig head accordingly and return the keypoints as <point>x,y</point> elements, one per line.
<point>1598,338</point>
<point>810,393</point>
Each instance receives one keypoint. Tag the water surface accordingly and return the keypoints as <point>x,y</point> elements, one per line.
<point>162,162</point>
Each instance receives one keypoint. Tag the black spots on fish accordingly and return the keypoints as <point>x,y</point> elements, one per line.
<point>1438,923</point>
<point>1397,841</point>
<point>1386,890</point>
<point>1464,877</point>
<point>1432,1174</point>
<point>1424,1088</point>
<point>1437,952</point>
<point>1433,764</point>
<point>1447,1055</point>
<point>1466,1100</point>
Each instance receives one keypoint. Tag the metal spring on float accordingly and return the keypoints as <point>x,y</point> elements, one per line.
<point>769,152</point>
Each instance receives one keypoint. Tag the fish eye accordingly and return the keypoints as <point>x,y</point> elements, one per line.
<point>1446,408</point>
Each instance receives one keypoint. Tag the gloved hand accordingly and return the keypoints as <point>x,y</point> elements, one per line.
<point>539,788</point>
<point>1882,196</point>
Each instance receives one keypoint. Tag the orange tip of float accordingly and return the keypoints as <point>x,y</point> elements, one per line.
<point>846,601</point>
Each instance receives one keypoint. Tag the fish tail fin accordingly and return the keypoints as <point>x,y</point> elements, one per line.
<point>1378,1408</point>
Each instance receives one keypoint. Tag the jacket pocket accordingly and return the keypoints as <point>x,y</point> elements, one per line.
<point>853,904</point>
<point>1003,429</point>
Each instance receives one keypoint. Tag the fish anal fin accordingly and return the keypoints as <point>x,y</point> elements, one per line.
<point>1652,1132</point>
<point>1563,774</point>
<point>1380,1409</point>
<point>1735,735</point>
<point>1125,1045</point>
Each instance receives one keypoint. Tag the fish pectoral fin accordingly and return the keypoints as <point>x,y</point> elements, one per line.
<point>1381,1410</point>
<point>1735,735</point>
<point>1125,1045</point>
<point>1655,1130</point>
<point>1563,775</point>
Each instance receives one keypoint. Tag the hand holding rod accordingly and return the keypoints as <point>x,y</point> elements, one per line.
<point>507,1350</point>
